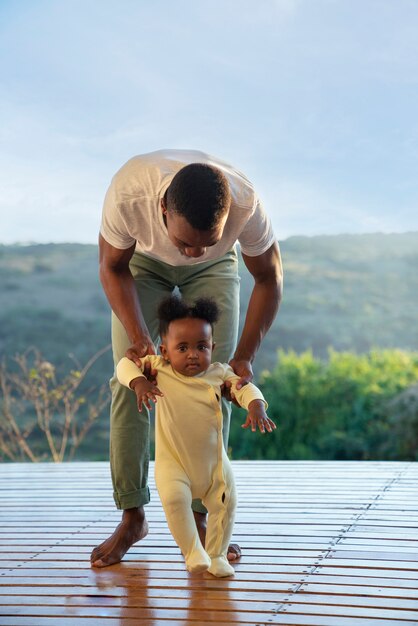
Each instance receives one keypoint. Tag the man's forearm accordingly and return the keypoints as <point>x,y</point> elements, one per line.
<point>262,309</point>
<point>267,272</point>
<point>119,287</point>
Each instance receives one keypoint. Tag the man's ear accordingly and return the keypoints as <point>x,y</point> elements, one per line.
<point>213,346</point>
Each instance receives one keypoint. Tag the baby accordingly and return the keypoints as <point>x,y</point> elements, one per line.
<point>190,458</point>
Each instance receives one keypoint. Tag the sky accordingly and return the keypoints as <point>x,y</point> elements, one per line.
<point>314,100</point>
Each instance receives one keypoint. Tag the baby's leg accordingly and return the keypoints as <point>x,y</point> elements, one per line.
<point>176,498</point>
<point>221,505</point>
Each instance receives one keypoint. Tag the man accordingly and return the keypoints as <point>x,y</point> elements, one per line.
<point>171,219</point>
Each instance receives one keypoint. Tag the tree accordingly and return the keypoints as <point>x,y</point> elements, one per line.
<point>46,416</point>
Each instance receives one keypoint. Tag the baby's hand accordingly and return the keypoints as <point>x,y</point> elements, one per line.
<point>145,391</point>
<point>257,415</point>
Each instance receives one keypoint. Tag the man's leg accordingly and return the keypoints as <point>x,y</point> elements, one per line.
<point>129,432</point>
<point>218,280</point>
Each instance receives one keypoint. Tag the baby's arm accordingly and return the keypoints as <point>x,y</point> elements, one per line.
<point>251,398</point>
<point>130,375</point>
<point>257,416</point>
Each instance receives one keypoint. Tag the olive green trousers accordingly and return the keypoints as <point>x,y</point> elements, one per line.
<point>129,429</point>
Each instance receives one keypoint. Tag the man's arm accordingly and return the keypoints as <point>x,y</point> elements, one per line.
<point>119,287</point>
<point>266,270</point>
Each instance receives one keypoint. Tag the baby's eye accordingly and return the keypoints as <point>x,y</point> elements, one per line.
<point>182,349</point>
<point>203,348</point>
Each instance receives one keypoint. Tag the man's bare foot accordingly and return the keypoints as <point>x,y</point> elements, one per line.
<point>234,551</point>
<point>132,528</point>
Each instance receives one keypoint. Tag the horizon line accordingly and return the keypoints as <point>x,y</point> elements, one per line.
<point>319,235</point>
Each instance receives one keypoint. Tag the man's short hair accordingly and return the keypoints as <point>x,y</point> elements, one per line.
<point>200,193</point>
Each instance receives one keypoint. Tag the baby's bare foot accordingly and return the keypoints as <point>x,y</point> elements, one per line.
<point>132,528</point>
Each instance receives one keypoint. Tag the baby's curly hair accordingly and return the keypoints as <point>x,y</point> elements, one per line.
<point>174,308</point>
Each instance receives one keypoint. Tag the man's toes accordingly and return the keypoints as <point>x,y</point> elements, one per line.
<point>234,552</point>
<point>98,563</point>
<point>104,561</point>
<point>95,554</point>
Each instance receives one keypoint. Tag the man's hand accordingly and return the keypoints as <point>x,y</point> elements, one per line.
<point>242,369</point>
<point>140,349</point>
<point>257,416</point>
<point>145,391</point>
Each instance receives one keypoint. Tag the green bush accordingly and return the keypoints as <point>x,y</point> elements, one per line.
<point>347,407</point>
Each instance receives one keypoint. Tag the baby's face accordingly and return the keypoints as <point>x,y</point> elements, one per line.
<point>188,346</point>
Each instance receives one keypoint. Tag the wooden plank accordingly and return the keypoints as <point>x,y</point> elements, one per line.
<point>361,573</point>
<point>212,618</point>
<point>224,600</point>
<point>227,611</point>
<point>353,612</point>
<point>338,589</point>
<point>161,581</point>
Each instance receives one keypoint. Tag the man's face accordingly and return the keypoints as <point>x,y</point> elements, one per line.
<point>190,241</point>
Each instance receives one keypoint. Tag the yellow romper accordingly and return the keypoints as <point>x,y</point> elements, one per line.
<point>190,458</point>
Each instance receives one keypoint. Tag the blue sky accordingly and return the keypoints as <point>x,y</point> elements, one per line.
<point>315,100</point>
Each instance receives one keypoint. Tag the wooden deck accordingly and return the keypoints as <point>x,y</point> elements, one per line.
<point>324,543</point>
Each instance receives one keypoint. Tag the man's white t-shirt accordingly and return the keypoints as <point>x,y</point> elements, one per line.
<point>132,209</point>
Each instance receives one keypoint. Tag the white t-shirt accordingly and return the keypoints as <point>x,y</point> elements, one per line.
<point>132,209</point>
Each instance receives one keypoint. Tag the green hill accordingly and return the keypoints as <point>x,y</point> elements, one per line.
<point>352,292</point>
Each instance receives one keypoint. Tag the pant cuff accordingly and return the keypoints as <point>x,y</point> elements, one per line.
<point>133,499</point>
<point>198,506</point>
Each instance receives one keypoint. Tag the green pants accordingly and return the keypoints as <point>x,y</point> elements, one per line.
<point>129,430</point>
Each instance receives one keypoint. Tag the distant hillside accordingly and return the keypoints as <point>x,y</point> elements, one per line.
<point>352,292</point>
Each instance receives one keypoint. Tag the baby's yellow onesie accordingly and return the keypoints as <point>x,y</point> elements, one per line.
<point>190,458</point>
